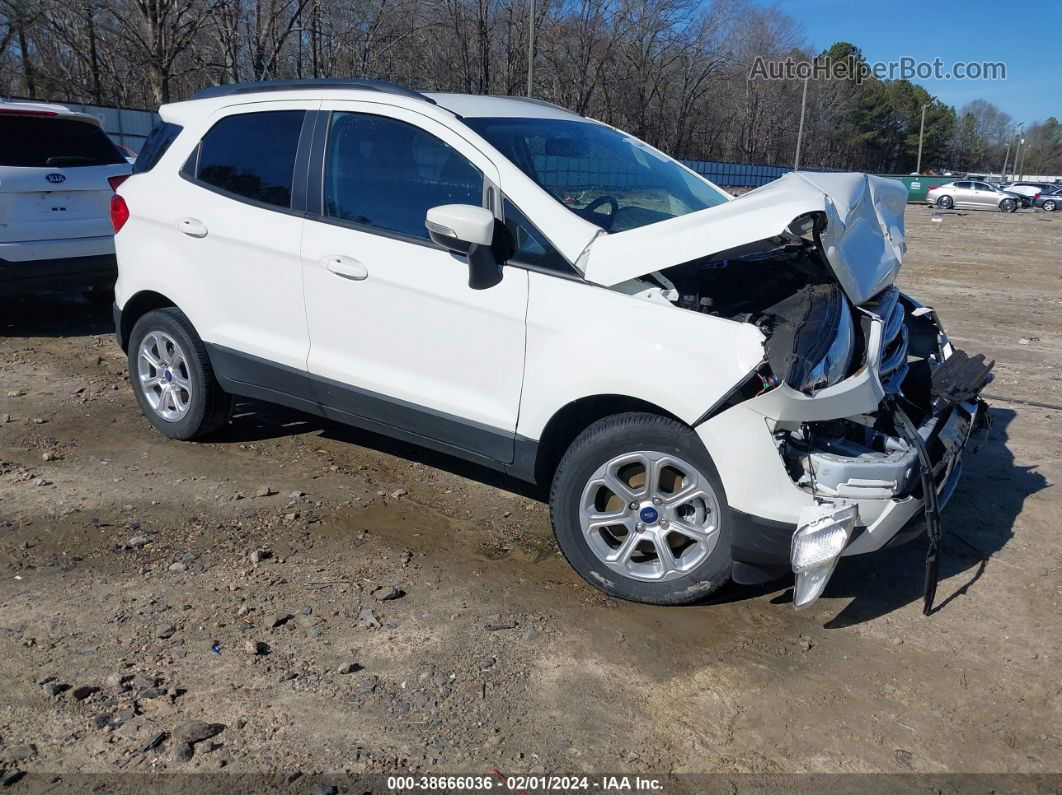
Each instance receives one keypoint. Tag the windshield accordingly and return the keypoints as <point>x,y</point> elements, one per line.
<point>610,179</point>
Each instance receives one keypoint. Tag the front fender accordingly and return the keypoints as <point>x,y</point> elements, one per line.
<point>584,340</point>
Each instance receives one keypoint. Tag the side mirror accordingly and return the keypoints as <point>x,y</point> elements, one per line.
<point>468,230</point>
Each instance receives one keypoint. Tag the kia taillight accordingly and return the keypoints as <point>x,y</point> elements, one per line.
<point>931,187</point>
<point>117,180</point>
<point>1037,196</point>
<point>119,212</point>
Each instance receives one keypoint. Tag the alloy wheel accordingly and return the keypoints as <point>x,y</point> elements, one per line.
<point>649,515</point>
<point>164,375</point>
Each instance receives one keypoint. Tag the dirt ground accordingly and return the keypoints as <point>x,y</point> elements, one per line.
<point>322,599</point>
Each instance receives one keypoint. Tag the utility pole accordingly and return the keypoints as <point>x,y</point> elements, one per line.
<point>1017,151</point>
<point>921,132</point>
<point>1006,159</point>
<point>531,49</point>
<point>800,129</point>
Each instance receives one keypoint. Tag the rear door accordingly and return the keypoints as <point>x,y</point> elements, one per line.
<point>53,179</point>
<point>229,233</point>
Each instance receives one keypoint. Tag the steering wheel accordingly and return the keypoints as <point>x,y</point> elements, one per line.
<point>611,202</point>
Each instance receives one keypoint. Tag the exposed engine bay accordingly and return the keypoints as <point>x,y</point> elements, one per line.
<point>783,287</point>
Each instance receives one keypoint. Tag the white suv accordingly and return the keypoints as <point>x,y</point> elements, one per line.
<point>710,388</point>
<point>58,170</point>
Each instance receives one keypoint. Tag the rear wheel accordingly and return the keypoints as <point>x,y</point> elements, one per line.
<point>639,511</point>
<point>1008,206</point>
<point>172,377</point>
<point>1050,205</point>
<point>945,202</point>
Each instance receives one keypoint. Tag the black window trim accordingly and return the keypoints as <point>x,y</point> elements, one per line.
<point>297,204</point>
<point>572,271</point>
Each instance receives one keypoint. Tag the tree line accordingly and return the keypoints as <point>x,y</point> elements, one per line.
<point>677,73</point>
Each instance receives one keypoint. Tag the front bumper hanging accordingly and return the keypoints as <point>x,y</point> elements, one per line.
<point>957,413</point>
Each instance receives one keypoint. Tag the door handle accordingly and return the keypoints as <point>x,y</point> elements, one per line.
<point>347,267</point>
<point>192,227</point>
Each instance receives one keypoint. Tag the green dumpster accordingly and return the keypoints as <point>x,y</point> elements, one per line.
<point>918,185</point>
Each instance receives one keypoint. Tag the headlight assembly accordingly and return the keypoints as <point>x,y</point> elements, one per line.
<point>812,340</point>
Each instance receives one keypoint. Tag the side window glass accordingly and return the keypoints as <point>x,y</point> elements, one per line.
<point>387,174</point>
<point>963,185</point>
<point>162,135</point>
<point>253,155</point>
<point>527,245</point>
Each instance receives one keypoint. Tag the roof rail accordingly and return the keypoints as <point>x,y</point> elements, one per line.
<point>534,101</point>
<point>383,86</point>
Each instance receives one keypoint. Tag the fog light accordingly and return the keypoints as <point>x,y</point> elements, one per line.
<point>821,537</point>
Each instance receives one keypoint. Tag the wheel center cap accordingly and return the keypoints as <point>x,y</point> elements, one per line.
<point>168,375</point>
<point>649,514</point>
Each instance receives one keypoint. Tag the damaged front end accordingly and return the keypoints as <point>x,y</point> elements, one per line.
<point>906,453</point>
<point>849,434</point>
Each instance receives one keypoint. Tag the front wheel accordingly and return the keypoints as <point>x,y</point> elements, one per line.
<point>1008,206</point>
<point>172,377</point>
<point>640,513</point>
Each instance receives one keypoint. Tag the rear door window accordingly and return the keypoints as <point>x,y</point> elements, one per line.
<point>54,142</point>
<point>252,155</point>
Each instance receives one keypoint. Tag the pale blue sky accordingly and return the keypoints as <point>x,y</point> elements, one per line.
<point>1024,35</point>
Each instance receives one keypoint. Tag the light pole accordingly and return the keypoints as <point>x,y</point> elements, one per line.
<point>800,129</point>
<point>921,131</point>
<point>1017,151</point>
<point>531,49</point>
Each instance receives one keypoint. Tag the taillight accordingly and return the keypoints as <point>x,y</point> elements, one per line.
<point>931,187</point>
<point>119,212</point>
<point>1037,196</point>
<point>115,181</point>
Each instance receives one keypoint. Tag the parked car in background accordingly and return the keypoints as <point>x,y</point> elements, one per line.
<point>58,171</point>
<point>1030,189</point>
<point>708,387</point>
<point>1049,200</point>
<point>973,195</point>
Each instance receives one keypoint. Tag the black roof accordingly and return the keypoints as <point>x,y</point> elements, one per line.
<point>382,86</point>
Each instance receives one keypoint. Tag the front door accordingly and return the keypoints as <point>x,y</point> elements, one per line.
<point>397,337</point>
<point>984,196</point>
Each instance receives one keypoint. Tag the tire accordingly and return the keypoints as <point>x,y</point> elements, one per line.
<point>195,404</point>
<point>945,202</point>
<point>623,445</point>
<point>1008,206</point>
<point>1049,206</point>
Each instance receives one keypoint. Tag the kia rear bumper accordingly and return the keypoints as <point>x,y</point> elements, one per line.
<point>95,272</point>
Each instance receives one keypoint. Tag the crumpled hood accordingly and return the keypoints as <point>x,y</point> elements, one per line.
<point>862,241</point>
